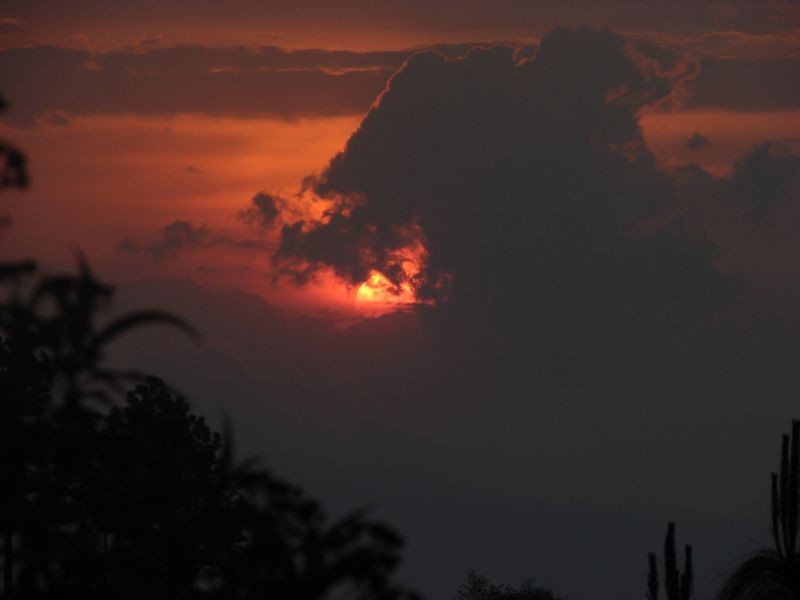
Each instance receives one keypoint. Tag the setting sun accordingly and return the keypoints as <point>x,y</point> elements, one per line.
<point>378,289</point>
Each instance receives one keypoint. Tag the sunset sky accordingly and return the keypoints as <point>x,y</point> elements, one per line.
<point>522,275</point>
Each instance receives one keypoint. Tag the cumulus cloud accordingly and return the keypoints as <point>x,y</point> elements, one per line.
<point>527,183</point>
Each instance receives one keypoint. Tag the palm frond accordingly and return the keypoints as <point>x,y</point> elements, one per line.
<point>145,317</point>
<point>765,575</point>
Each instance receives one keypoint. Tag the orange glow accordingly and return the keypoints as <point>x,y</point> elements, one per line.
<point>129,176</point>
<point>379,294</point>
<point>730,133</point>
<point>378,289</point>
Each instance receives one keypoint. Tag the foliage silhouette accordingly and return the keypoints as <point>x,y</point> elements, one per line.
<point>677,585</point>
<point>52,368</point>
<point>478,587</point>
<point>100,500</point>
<point>142,499</point>
<point>25,384</point>
<point>774,573</point>
<point>13,167</point>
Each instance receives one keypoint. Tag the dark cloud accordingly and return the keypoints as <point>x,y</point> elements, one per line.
<point>528,183</point>
<point>266,81</point>
<point>766,181</point>
<point>269,82</point>
<point>177,236</point>
<point>180,235</point>
<point>263,211</point>
<point>696,141</point>
<point>273,82</point>
<point>174,238</point>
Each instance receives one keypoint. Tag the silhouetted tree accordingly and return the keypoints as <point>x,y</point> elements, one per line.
<point>677,585</point>
<point>25,385</point>
<point>152,494</point>
<point>52,367</point>
<point>478,587</point>
<point>143,500</point>
<point>774,573</point>
<point>13,172</point>
<point>288,549</point>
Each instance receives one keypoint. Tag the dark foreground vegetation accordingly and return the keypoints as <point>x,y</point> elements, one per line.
<point>112,494</point>
<point>110,487</point>
<point>138,498</point>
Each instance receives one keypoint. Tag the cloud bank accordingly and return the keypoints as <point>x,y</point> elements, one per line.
<point>50,82</point>
<point>532,190</point>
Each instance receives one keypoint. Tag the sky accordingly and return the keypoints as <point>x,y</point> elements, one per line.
<point>521,276</point>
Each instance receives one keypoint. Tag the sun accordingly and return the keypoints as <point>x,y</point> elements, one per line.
<point>379,294</point>
<point>378,291</point>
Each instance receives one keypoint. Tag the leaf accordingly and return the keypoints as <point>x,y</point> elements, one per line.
<point>146,317</point>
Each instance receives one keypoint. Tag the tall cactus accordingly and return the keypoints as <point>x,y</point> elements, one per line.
<point>785,496</point>
<point>652,577</point>
<point>678,586</point>
<point>775,572</point>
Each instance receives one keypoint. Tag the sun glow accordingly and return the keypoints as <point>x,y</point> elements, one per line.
<point>380,293</point>
<point>378,289</point>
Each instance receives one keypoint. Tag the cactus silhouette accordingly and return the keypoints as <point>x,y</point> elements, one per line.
<point>652,577</point>
<point>785,495</point>
<point>775,572</point>
<point>678,585</point>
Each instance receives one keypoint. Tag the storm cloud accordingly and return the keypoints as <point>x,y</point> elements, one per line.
<point>534,194</point>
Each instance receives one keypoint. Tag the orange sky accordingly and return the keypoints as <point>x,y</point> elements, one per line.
<point>99,177</point>
<point>110,177</point>
<point>375,24</point>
